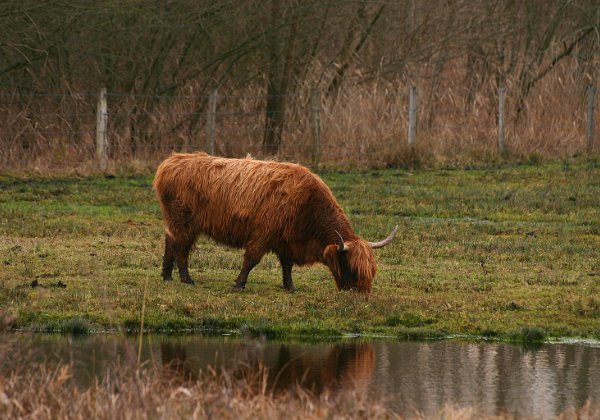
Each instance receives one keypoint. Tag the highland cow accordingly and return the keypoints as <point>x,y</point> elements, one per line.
<point>260,206</point>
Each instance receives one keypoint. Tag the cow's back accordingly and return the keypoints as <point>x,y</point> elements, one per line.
<point>232,200</point>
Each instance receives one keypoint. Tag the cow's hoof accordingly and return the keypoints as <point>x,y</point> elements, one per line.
<point>188,281</point>
<point>167,278</point>
<point>291,289</point>
<point>239,287</point>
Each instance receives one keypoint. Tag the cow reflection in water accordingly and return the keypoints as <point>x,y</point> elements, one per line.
<point>344,366</point>
<point>347,366</point>
<point>174,358</point>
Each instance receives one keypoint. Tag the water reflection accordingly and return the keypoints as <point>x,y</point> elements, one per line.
<point>497,378</point>
<point>315,368</point>
<point>341,366</point>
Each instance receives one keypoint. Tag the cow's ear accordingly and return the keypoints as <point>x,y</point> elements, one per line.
<point>331,259</point>
<point>330,253</point>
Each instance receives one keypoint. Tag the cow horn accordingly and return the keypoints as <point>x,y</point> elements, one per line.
<point>386,241</point>
<point>341,244</point>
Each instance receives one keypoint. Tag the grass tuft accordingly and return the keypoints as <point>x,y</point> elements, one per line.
<point>76,326</point>
<point>529,335</point>
<point>408,320</point>
<point>421,333</point>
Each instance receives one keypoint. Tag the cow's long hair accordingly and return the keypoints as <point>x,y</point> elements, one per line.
<point>262,206</point>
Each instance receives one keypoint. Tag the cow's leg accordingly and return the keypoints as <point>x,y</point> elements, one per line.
<point>182,249</point>
<point>286,268</point>
<point>168,259</point>
<point>249,263</point>
<point>252,256</point>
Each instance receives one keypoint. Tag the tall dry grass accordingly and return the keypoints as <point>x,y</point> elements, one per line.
<point>366,127</point>
<point>370,123</point>
<point>41,392</point>
<point>38,390</point>
<point>125,393</point>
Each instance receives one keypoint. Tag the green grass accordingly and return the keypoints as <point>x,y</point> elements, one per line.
<point>507,252</point>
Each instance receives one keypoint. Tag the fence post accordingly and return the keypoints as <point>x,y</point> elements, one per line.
<point>315,122</point>
<point>210,122</point>
<point>412,116</point>
<point>101,130</point>
<point>501,121</point>
<point>590,119</point>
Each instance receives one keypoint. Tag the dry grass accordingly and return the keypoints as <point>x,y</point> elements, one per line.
<point>366,127</point>
<point>126,393</point>
<point>369,124</point>
<point>36,390</point>
<point>130,394</point>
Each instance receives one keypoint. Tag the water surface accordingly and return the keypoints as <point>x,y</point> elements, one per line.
<point>498,378</point>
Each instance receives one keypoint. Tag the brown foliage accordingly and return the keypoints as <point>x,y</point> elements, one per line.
<point>41,391</point>
<point>159,63</point>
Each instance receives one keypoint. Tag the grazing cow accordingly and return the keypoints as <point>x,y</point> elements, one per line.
<point>260,206</point>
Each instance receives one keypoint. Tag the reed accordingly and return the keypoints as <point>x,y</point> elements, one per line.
<point>33,389</point>
<point>366,126</point>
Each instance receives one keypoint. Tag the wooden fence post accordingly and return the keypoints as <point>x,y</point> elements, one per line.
<point>315,122</point>
<point>210,122</point>
<point>101,130</point>
<point>590,119</point>
<point>412,116</point>
<point>501,122</point>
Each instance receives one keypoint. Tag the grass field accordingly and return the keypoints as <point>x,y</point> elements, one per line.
<point>510,252</point>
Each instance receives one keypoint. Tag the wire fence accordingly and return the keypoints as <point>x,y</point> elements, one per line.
<point>104,127</point>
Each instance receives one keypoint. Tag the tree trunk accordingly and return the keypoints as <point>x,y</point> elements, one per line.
<point>281,57</point>
<point>275,119</point>
<point>355,38</point>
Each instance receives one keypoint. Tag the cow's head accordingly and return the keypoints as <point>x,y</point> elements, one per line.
<point>352,263</point>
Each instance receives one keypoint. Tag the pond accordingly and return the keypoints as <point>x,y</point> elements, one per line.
<point>540,381</point>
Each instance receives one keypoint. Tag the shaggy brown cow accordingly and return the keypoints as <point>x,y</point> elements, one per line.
<point>260,206</point>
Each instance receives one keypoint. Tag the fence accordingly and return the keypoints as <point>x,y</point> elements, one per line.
<point>140,126</point>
